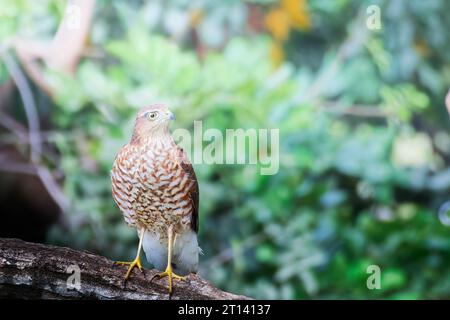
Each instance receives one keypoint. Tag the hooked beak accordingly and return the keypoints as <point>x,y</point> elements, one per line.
<point>171,115</point>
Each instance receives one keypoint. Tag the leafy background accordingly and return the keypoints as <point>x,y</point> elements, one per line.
<point>364,141</point>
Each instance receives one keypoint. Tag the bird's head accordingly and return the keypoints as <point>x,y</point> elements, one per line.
<point>152,121</point>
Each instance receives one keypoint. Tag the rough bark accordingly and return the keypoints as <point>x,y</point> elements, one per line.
<point>37,271</point>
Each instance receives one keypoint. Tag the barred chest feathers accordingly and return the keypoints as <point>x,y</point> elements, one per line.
<point>151,188</point>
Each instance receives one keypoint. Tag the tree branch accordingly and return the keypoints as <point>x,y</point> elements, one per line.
<point>34,133</point>
<point>66,48</point>
<point>34,271</point>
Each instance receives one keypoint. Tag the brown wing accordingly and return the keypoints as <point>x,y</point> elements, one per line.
<point>193,191</point>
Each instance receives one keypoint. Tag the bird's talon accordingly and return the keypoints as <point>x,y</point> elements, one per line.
<point>170,275</point>
<point>135,263</point>
<point>181,278</point>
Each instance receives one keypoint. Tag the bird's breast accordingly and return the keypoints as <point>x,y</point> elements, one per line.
<point>164,190</point>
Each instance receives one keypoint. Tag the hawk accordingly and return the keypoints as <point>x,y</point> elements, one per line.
<point>156,189</point>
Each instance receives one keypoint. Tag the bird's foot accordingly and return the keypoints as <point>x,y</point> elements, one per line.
<point>135,263</point>
<point>170,275</point>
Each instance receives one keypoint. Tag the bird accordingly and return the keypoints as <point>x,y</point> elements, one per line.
<point>156,189</point>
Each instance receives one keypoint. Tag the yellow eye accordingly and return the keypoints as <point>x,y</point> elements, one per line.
<point>152,115</point>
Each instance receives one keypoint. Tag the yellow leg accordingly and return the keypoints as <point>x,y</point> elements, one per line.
<point>169,272</point>
<point>137,261</point>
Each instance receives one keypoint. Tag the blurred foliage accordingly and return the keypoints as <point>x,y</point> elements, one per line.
<point>364,136</point>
